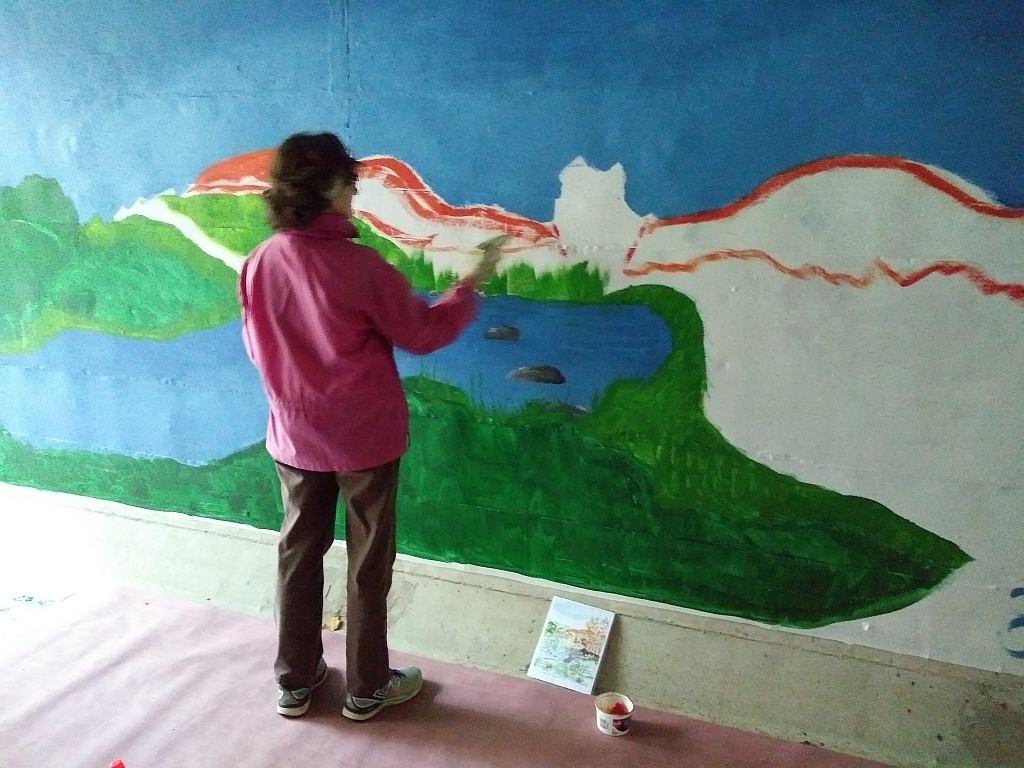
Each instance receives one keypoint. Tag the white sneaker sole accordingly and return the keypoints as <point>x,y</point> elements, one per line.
<point>302,709</point>
<point>352,715</point>
<point>295,711</point>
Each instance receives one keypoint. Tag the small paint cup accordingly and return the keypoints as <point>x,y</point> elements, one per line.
<point>612,724</point>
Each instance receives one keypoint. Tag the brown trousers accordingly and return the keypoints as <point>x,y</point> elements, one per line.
<point>310,502</point>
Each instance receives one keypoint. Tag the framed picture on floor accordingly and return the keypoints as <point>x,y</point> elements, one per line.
<point>571,645</point>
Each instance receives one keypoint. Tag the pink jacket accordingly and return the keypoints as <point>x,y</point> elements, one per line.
<point>320,315</point>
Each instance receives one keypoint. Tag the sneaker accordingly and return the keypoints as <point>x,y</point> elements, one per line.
<point>293,702</point>
<point>403,685</point>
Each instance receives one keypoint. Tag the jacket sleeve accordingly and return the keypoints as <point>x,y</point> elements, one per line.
<point>409,322</point>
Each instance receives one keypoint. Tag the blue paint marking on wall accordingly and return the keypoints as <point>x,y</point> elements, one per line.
<point>700,101</point>
<point>1017,622</point>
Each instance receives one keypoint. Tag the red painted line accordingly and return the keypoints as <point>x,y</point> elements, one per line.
<point>427,243</point>
<point>988,286</point>
<point>879,162</point>
<point>398,177</point>
<point>423,202</point>
<point>977,276</point>
<point>391,231</point>
<point>562,250</point>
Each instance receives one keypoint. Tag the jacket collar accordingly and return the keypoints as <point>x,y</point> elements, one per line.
<point>327,225</point>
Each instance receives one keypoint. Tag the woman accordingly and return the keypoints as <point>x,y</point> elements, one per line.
<point>320,317</point>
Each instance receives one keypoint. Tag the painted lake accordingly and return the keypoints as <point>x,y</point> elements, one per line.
<point>197,398</point>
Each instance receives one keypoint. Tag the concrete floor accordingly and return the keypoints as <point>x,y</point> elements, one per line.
<point>896,709</point>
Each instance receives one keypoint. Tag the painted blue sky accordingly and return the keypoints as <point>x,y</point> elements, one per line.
<point>700,101</point>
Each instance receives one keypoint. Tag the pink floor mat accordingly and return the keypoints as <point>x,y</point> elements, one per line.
<point>161,683</point>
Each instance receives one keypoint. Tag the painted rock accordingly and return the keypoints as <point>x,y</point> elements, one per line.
<point>502,333</point>
<point>541,374</point>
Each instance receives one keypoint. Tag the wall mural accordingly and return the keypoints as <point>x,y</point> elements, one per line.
<point>571,413</point>
<point>776,378</point>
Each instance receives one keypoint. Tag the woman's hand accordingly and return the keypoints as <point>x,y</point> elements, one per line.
<point>486,267</point>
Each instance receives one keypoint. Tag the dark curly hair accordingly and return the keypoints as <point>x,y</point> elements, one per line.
<point>305,169</point>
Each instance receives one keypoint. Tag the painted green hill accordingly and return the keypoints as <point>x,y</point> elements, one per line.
<point>135,277</point>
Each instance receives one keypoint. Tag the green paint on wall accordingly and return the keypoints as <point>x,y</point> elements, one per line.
<point>579,282</point>
<point>241,488</point>
<point>237,222</point>
<point>136,277</point>
<point>690,520</point>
